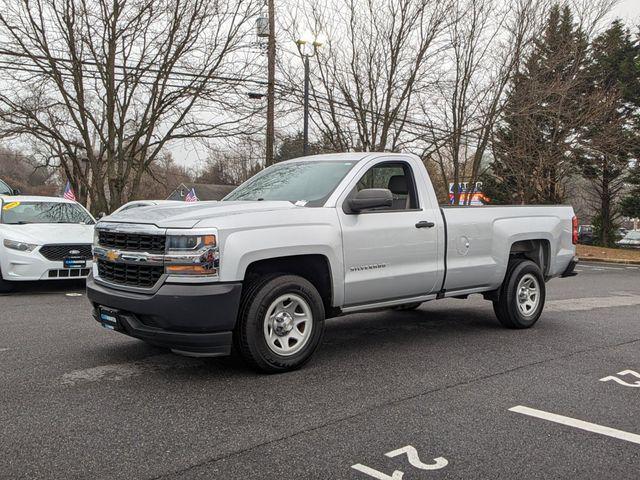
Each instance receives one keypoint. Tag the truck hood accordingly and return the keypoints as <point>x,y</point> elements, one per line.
<point>48,233</point>
<point>188,215</point>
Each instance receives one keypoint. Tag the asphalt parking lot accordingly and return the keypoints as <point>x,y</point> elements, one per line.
<point>441,392</point>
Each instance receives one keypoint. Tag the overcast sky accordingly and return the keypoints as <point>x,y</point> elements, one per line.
<point>193,155</point>
<point>628,10</point>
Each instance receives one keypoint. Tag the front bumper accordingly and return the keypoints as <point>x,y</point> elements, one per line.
<point>20,266</point>
<point>193,319</point>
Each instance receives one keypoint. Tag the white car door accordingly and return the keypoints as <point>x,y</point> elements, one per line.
<point>389,253</point>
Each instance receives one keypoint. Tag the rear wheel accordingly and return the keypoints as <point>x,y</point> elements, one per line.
<point>522,295</point>
<point>280,324</point>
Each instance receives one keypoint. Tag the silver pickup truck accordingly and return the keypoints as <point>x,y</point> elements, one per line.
<point>314,238</point>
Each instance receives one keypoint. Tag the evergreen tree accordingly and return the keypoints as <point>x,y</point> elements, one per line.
<point>608,142</point>
<point>533,146</point>
<point>291,146</point>
<point>630,205</point>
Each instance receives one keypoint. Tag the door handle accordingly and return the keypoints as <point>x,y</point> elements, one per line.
<point>425,224</point>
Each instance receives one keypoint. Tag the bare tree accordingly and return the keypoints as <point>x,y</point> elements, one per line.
<point>22,172</point>
<point>377,60</point>
<point>233,164</point>
<point>486,45</point>
<point>113,82</point>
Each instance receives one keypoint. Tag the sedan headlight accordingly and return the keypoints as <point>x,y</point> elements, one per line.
<point>194,254</point>
<point>21,246</point>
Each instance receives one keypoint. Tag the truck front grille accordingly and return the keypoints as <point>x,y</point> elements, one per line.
<point>57,253</point>
<point>132,275</point>
<point>132,242</point>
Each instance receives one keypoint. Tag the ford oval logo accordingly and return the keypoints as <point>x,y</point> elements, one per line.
<point>74,252</point>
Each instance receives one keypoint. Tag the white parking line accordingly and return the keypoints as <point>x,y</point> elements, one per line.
<point>581,424</point>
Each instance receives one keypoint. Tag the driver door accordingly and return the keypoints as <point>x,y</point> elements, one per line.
<point>386,254</point>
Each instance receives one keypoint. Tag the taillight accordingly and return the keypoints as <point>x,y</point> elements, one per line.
<point>574,223</point>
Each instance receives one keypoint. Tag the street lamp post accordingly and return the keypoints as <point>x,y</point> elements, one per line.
<point>308,45</point>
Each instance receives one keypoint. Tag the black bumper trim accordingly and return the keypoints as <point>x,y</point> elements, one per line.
<point>569,271</point>
<point>187,317</point>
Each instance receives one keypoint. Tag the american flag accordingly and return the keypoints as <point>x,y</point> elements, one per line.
<point>68,192</point>
<point>191,196</point>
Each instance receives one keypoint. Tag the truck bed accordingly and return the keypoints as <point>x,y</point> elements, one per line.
<point>479,239</point>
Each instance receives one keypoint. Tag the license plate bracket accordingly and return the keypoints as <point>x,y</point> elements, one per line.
<point>74,262</point>
<point>108,318</point>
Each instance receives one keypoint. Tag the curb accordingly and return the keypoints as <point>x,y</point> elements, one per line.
<point>609,260</point>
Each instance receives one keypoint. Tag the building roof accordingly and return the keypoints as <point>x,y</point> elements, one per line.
<point>204,191</point>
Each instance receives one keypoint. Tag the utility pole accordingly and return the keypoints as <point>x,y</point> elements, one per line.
<point>271,74</point>
<point>308,46</point>
<point>305,128</point>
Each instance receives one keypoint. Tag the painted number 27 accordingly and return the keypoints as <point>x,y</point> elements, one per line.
<point>412,457</point>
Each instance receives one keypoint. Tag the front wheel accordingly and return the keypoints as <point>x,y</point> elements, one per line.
<point>280,324</point>
<point>522,295</point>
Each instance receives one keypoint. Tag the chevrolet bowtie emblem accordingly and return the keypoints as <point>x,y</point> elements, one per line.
<point>112,255</point>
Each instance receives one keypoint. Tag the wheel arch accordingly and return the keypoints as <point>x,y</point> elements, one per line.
<point>538,250</point>
<point>315,268</point>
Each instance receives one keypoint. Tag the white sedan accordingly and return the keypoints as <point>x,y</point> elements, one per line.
<point>43,238</point>
<point>143,203</point>
<point>630,240</point>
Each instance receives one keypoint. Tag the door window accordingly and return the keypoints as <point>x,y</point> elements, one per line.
<point>396,177</point>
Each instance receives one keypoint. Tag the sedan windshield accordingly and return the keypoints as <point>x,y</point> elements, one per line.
<point>304,183</point>
<point>18,213</point>
<point>632,236</point>
<point>4,189</point>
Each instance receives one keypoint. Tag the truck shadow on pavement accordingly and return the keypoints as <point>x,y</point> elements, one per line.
<point>46,287</point>
<point>389,340</point>
<point>385,336</point>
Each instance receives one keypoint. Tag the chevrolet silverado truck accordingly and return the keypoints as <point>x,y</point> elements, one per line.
<point>314,238</point>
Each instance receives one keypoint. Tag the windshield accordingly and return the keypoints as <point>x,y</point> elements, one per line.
<point>633,236</point>
<point>305,183</point>
<point>18,213</point>
<point>4,189</point>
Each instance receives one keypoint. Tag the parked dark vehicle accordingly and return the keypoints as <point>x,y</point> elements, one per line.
<point>586,234</point>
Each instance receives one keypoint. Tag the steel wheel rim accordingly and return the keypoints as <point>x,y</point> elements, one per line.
<point>528,295</point>
<point>288,324</point>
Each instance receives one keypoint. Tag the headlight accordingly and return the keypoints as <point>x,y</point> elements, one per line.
<point>22,246</point>
<point>194,254</point>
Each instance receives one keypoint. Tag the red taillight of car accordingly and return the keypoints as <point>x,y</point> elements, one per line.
<point>574,223</point>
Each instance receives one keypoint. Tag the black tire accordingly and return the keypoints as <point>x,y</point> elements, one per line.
<point>407,306</point>
<point>249,335</point>
<point>5,286</point>
<point>507,307</point>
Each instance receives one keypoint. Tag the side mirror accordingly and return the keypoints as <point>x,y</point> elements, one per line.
<point>16,191</point>
<point>370,198</point>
